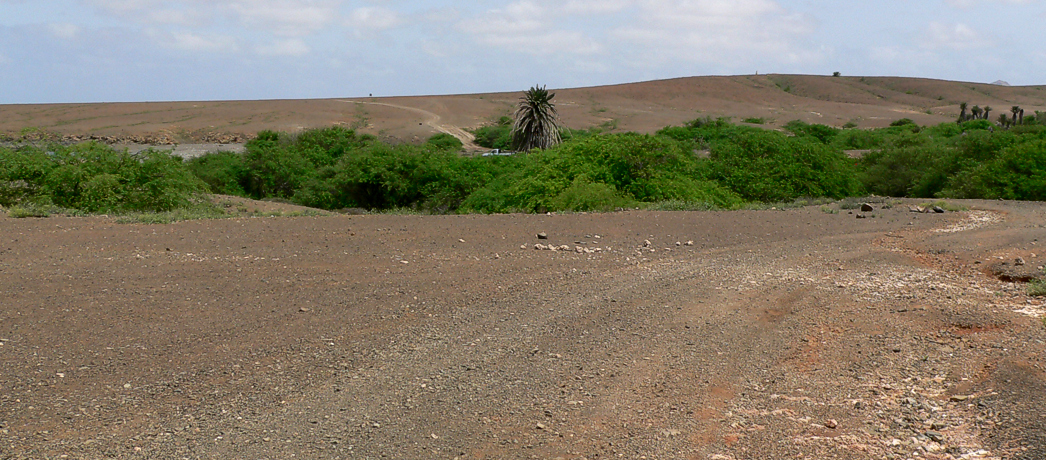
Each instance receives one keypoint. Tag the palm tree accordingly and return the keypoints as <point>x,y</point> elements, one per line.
<point>1003,120</point>
<point>962,113</point>
<point>987,109</point>
<point>1014,110</point>
<point>537,122</point>
<point>976,110</point>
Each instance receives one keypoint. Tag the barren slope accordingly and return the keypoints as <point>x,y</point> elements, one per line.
<point>642,107</point>
<point>777,334</point>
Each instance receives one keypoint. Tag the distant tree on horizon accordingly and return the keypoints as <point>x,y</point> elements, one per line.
<point>537,121</point>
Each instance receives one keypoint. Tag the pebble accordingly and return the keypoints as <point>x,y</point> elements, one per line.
<point>831,423</point>
<point>542,236</point>
<point>541,426</point>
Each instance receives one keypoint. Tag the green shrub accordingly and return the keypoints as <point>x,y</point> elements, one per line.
<point>498,136</point>
<point>1037,287</point>
<point>823,133</point>
<point>768,166</point>
<point>21,212</point>
<point>1017,173</point>
<point>93,177</point>
<point>443,141</point>
<point>584,195</point>
<point>223,172</point>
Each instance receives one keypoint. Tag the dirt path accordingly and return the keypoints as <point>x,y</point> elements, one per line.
<point>773,334</point>
<point>432,120</point>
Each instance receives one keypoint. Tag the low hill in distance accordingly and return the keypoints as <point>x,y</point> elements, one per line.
<point>645,107</point>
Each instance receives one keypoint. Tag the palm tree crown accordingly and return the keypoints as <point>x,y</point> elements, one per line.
<point>537,122</point>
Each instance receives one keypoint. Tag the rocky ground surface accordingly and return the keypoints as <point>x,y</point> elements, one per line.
<point>801,333</point>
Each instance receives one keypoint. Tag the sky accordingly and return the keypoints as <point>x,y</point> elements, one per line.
<point>198,50</point>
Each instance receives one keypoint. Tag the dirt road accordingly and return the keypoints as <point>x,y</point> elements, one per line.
<point>774,334</point>
<point>433,120</point>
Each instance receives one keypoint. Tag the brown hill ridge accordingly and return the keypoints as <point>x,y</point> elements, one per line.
<point>642,107</point>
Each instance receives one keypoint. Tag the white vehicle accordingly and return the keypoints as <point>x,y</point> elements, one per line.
<point>498,153</point>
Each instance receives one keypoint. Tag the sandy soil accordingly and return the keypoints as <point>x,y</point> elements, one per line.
<point>641,107</point>
<point>772,334</point>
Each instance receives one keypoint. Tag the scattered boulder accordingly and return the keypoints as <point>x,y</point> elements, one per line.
<point>918,209</point>
<point>938,210</point>
<point>1014,273</point>
<point>867,208</point>
<point>542,236</point>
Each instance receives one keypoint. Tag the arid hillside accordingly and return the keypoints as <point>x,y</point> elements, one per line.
<point>642,107</point>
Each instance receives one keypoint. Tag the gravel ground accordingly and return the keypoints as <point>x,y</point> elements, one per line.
<point>708,335</point>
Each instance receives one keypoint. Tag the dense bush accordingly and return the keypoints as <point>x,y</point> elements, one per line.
<point>380,176</point>
<point>1017,173</point>
<point>969,160</point>
<point>601,172</point>
<point>497,136</point>
<point>443,141</point>
<point>769,166</point>
<point>335,168</point>
<point>93,177</point>
<point>823,133</point>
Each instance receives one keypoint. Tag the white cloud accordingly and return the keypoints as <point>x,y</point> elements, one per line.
<point>199,43</point>
<point>289,18</point>
<point>373,18</point>
<point>966,4</point>
<point>369,21</point>
<point>718,31</point>
<point>64,31</point>
<point>596,6</point>
<point>955,36</point>
<point>289,47</point>
<point>526,27</point>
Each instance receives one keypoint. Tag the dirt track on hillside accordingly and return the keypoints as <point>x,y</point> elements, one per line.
<point>776,334</point>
